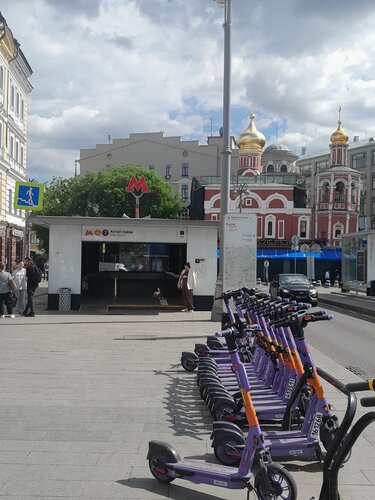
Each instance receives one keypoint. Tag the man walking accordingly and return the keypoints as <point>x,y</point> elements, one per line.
<point>32,285</point>
<point>19,277</point>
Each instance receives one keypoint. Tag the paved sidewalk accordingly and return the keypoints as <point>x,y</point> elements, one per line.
<point>81,396</point>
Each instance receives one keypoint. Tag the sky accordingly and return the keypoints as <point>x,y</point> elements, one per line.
<point>114,67</point>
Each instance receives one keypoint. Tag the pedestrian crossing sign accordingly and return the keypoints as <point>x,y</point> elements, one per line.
<point>28,196</point>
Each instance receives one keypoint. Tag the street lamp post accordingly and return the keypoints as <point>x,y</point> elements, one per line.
<point>226,153</point>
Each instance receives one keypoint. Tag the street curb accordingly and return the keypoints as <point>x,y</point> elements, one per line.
<point>350,307</point>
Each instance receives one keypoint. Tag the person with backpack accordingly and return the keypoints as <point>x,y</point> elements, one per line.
<point>34,277</point>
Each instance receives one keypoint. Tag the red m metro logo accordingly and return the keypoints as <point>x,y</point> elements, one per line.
<point>137,185</point>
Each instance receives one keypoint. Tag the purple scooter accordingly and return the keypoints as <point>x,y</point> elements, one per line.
<point>271,480</point>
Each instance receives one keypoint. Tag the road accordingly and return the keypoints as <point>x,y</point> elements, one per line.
<point>348,339</point>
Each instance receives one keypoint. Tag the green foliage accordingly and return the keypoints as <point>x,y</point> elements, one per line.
<point>103,194</point>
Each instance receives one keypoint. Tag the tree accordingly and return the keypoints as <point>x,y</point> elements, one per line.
<point>103,194</point>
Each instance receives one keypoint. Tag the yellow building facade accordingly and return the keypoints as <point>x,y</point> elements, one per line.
<point>15,86</point>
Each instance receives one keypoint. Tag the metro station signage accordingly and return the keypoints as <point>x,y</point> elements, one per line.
<point>138,185</point>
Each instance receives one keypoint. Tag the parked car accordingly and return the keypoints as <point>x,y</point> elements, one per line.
<point>295,287</point>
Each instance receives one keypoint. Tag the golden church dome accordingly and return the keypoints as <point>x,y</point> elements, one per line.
<point>339,136</point>
<point>251,138</point>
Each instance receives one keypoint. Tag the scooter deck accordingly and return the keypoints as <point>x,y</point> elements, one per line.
<point>208,473</point>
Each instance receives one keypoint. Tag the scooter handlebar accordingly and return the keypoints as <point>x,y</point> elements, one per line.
<point>367,385</point>
<point>368,402</point>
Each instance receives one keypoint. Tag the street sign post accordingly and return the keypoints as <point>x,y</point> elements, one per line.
<point>266,265</point>
<point>295,240</point>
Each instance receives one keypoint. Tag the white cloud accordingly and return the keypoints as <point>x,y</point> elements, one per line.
<point>120,66</point>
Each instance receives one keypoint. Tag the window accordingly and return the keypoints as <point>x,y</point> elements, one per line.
<point>283,168</point>
<point>214,217</point>
<point>21,155</point>
<point>1,134</point>
<point>303,229</point>
<point>270,169</point>
<point>16,156</point>
<point>324,193</point>
<point>22,109</point>
<point>185,170</point>
<point>339,192</point>
<point>373,206</point>
<point>270,226</point>
<point>305,169</point>
<point>373,158</point>
<point>12,96</point>
<point>322,165</point>
<point>373,180</point>
<point>281,229</point>
<point>337,233</point>
<point>11,148</point>
<point>185,192</point>
<point>168,169</point>
<point>359,160</point>
<point>1,78</point>
<point>18,107</point>
<point>248,202</point>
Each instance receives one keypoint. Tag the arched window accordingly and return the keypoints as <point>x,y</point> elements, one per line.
<point>324,192</point>
<point>270,228</point>
<point>283,168</point>
<point>270,169</point>
<point>337,233</point>
<point>339,192</point>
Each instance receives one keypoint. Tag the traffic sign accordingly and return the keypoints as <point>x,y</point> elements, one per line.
<point>295,240</point>
<point>305,248</point>
<point>266,263</point>
<point>315,248</point>
<point>28,196</point>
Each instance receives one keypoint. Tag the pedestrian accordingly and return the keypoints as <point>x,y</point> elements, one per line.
<point>157,293</point>
<point>187,282</point>
<point>33,280</point>
<point>5,292</point>
<point>327,275</point>
<point>19,278</point>
<point>46,269</point>
<point>40,265</point>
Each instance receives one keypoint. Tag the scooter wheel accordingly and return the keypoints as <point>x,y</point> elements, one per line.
<point>189,362</point>
<point>159,470</point>
<point>273,482</point>
<point>225,451</point>
<point>223,411</point>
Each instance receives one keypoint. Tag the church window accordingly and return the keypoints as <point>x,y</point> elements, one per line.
<point>283,168</point>
<point>270,169</point>
<point>339,192</point>
<point>324,193</point>
<point>269,228</point>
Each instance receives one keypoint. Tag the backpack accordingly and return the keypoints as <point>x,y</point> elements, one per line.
<point>38,275</point>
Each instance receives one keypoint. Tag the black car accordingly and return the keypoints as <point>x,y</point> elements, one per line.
<point>295,287</point>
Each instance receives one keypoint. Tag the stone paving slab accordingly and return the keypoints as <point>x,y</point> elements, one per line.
<point>81,396</point>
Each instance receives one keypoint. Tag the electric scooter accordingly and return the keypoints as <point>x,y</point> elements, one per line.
<point>270,481</point>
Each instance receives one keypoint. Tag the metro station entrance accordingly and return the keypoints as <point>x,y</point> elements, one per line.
<point>116,270</point>
<point>120,261</point>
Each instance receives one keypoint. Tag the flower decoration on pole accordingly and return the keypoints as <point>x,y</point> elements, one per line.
<point>138,188</point>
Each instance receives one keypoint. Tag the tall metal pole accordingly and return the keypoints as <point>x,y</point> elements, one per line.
<point>226,154</point>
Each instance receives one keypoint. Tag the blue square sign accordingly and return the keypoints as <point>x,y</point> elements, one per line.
<point>28,196</point>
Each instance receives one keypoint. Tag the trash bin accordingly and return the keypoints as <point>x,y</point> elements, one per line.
<point>65,299</point>
<point>371,289</point>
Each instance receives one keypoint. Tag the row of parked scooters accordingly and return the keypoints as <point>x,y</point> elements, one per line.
<point>259,371</point>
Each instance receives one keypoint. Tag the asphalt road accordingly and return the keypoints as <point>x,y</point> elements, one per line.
<point>348,339</point>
